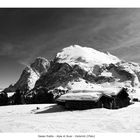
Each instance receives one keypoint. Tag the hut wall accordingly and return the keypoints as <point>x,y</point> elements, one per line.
<point>80,104</point>
<point>99,104</point>
<point>61,103</point>
<point>119,102</point>
<point>106,102</point>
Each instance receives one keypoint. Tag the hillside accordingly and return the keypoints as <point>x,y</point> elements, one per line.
<point>54,119</point>
<point>76,65</point>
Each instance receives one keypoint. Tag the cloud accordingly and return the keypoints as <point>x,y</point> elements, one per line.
<point>103,29</point>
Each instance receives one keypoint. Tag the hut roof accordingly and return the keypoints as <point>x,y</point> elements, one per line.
<point>89,95</point>
<point>80,96</point>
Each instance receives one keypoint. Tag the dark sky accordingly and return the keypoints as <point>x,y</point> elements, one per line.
<point>28,33</point>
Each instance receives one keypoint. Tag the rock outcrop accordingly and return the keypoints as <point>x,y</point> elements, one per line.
<point>30,75</point>
<point>95,67</point>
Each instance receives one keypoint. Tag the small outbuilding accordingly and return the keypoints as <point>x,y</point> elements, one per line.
<point>121,99</point>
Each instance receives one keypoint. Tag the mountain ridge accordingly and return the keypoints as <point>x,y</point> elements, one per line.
<point>30,75</point>
<point>76,67</point>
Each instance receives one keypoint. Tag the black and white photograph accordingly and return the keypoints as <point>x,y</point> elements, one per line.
<point>69,70</point>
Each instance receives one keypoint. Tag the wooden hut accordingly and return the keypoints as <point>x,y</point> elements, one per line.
<point>79,100</point>
<point>96,99</point>
<point>114,99</point>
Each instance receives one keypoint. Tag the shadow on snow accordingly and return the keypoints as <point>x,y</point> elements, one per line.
<point>50,109</point>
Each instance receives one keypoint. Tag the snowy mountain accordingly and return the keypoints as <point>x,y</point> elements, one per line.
<point>104,72</point>
<point>84,57</point>
<point>30,75</point>
<point>76,64</point>
<point>78,68</point>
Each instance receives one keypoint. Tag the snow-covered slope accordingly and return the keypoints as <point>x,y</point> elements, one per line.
<point>85,57</point>
<point>76,64</point>
<point>55,119</point>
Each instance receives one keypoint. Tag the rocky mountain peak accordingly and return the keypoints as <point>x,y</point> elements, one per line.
<point>99,68</point>
<point>30,75</point>
<point>85,57</point>
<point>40,65</point>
